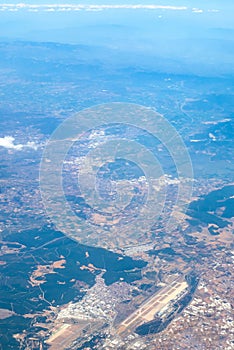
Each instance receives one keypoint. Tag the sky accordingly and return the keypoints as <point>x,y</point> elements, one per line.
<point>194,31</point>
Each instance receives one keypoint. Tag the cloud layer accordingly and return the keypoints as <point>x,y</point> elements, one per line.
<point>8,142</point>
<point>84,7</point>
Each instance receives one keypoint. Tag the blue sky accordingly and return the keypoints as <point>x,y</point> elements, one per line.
<point>200,33</point>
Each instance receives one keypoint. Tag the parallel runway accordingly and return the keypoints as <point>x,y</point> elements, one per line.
<point>153,305</point>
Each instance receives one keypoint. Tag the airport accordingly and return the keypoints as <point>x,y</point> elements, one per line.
<point>158,305</point>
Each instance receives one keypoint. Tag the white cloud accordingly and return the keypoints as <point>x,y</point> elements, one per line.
<point>213,10</point>
<point>196,10</point>
<point>54,7</point>
<point>8,142</point>
<point>50,9</point>
<point>212,136</point>
<point>215,122</point>
<point>194,140</point>
<point>86,7</point>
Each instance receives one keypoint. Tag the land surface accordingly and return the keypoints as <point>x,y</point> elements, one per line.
<point>55,290</point>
